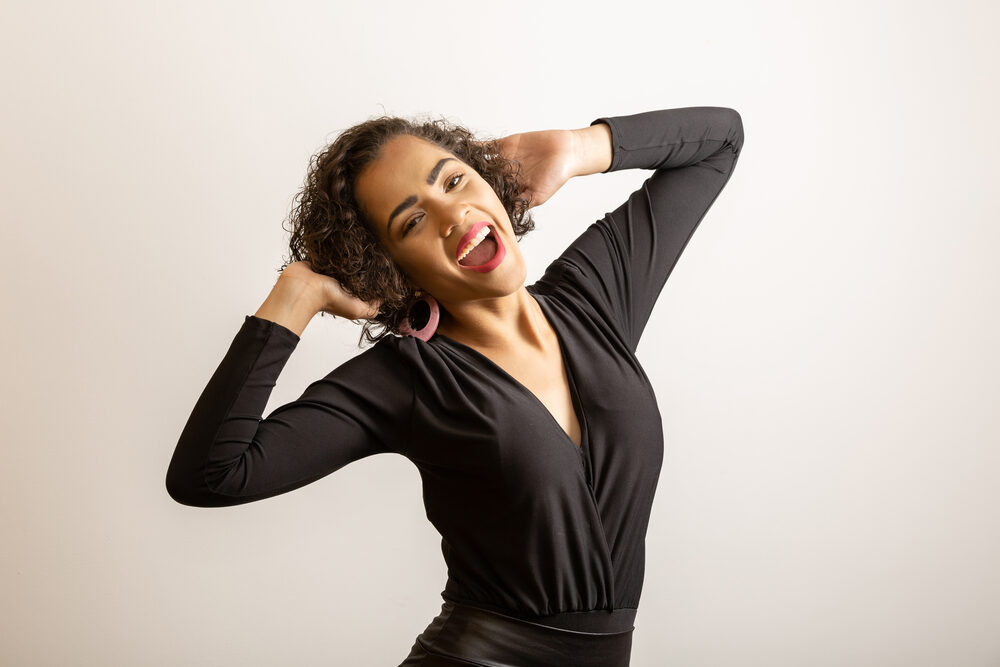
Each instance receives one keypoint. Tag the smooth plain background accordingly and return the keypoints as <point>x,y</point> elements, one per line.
<point>824,354</point>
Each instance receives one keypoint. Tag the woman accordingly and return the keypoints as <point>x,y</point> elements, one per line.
<point>534,428</point>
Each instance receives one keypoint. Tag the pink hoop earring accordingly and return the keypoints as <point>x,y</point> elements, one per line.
<point>424,333</point>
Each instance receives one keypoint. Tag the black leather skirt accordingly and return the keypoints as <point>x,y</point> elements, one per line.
<point>462,635</point>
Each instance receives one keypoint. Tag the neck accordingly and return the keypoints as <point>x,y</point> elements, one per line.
<point>515,320</point>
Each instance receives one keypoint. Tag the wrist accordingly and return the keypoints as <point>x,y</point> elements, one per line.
<point>293,302</point>
<point>592,149</point>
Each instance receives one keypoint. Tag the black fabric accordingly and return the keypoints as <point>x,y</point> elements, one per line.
<point>463,635</point>
<point>532,526</point>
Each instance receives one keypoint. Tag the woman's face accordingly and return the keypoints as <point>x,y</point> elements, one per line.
<point>433,199</point>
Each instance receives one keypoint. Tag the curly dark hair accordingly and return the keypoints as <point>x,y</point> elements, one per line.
<point>331,231</point>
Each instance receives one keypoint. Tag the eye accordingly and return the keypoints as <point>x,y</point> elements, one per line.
<point>410,223</point>
<point>413,221</point>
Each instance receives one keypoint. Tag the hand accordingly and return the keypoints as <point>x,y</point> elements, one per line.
<point>548,160</point>
<point>330,295</point>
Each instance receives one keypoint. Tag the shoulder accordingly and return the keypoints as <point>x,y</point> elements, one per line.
<point>585,280</point>
<point>400,361</point>
<point>379,370</point>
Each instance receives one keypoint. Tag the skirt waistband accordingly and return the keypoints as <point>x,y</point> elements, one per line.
<point>598,620</point>
<point>487,638</point>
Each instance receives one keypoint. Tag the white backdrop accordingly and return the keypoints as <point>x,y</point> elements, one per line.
<point>824,354</point>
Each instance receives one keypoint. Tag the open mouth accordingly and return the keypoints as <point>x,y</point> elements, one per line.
<point>483,252</point>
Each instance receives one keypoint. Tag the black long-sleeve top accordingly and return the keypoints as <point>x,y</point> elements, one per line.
<point>532,525</point>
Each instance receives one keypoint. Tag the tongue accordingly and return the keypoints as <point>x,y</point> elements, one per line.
<point>482,253</point>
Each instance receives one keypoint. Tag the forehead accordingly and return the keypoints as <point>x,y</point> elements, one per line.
<point>400,170</point>
<point>406,158</point>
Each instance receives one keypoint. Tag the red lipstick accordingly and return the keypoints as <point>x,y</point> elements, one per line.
<point>497,257</point>
<point>469,235</point>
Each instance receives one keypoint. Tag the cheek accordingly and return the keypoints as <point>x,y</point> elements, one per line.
<point>414,262</point>
<point>486,193</point>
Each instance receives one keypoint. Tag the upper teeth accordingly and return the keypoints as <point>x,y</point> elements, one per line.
<point>483,233</point>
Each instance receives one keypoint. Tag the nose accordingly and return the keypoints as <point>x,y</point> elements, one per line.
<point>452,215</point>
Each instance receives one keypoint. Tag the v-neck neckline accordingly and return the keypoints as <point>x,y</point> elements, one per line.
<point>581,417</point>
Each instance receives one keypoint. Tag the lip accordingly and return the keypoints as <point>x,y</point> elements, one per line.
<point>497,258</point>
<point>469,236</point>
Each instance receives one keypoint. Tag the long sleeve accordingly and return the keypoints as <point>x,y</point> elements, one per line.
<point>228,455</point>
<point>627,256</point>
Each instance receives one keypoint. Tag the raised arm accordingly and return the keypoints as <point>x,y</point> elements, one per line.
<point>228,454</point>
<point>627,256</point>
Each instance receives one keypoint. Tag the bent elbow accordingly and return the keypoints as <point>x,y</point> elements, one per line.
<point>181,492</point>
<point>186,491</point>
<point>736,133</point>
<point>196,493</point>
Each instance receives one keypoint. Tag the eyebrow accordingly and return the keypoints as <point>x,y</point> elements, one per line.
<point>412,199</point>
